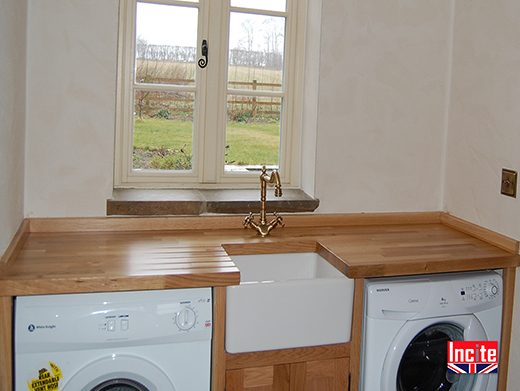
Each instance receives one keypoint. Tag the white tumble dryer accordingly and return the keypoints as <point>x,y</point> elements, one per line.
<point>124,341</point>
<point>409,320</point>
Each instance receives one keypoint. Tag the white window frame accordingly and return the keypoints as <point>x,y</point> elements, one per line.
<point>210,140</point>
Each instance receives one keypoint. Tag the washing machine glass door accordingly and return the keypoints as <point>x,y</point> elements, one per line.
<point>120,385</point>
<point>424,362</point>
<point>119,372</point>
<point>420,359</point>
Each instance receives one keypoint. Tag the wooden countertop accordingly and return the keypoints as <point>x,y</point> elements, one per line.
<point>115,254</point>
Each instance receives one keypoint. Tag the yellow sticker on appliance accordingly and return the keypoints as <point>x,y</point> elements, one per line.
<point>48,379</point>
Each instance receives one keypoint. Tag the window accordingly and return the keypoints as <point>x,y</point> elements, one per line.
<point>183,123</point>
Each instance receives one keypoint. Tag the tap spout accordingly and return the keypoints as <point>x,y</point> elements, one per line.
<point>263,227</point>
<point>274,179</point>
<point>265,180</point>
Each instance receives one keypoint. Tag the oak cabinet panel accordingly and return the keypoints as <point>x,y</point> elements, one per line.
<point>322,375</point>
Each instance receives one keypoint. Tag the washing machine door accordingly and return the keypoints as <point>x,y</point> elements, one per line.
<point>119,372</point>
<point>417,357</point>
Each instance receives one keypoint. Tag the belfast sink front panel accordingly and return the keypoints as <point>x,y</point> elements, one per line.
<point>287,301</point>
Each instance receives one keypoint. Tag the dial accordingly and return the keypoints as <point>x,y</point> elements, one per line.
<point>185,318</point>
<point>492,289</point>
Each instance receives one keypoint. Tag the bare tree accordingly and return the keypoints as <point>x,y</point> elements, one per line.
<point>273,30</point>
<point>247,42</point>
<point>273,34</point>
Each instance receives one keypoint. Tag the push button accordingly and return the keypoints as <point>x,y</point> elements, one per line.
<point>124,324</point>
<point>111,325</point>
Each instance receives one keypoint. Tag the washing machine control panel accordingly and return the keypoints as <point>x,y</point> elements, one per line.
<point>121,318</point>
<point>177,316</point>
<point>480,290</point>
<point>437,295</point>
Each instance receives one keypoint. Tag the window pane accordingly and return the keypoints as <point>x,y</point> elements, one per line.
<point>166,44</point>
<point>269,5</point>
<point>252,132</point>
<point>256,53</point>
<point>163,130</point>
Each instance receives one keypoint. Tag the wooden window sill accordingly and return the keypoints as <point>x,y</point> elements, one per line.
<point>150,202</point>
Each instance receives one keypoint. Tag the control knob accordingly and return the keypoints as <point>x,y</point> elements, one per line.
<point>492,289</point>
<point>185,318</point>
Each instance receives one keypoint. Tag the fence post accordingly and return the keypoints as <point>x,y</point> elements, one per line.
<point>254,108</point>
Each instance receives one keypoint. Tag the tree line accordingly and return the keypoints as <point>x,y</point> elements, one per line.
<point>237,57</point>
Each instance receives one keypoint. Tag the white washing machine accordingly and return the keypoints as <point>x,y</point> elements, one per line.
<point>124,341</point>
<point>409,320</point>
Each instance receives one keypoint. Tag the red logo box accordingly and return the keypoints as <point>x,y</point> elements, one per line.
<point>473,356</point>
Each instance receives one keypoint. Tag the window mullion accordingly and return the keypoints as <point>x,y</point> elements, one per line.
<point>295,71</point>
<point>163,87</point>
<point>216,77</point>
<point>124,119</point>
<point>269,94</point>
<point>258,11</point>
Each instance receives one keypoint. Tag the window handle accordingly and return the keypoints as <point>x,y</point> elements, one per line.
<point>203,62</point>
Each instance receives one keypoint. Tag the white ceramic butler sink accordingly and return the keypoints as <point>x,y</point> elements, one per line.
<point>287,301</point>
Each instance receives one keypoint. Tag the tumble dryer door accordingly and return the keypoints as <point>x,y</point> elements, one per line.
<point>119,373</point>
<point>417,358</point>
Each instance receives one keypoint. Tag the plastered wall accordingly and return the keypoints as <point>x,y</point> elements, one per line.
<point>384,98</point>
<point>12,117</point>
<point>382,104</point>
<point>380,124</point>
<point>71,87</point>
<point>484,117</point>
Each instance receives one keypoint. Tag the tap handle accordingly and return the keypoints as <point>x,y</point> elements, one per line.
<point>279,219</point>
<point>248,220</point>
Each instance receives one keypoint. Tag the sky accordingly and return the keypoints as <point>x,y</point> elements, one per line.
<point>177,25</point>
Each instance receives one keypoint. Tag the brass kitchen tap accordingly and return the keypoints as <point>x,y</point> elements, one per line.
<point>263,227</point>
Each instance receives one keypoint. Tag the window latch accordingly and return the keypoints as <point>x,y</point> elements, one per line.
<point>203,62</point>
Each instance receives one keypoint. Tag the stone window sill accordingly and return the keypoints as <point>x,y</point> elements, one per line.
<point>150,202</point>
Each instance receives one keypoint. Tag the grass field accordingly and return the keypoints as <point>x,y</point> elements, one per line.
<point>167,144</point>
<point>150,70</point>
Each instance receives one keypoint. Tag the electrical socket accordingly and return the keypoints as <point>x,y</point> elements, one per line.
<point>509,182</point>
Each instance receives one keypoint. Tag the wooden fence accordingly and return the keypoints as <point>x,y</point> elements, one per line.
<point>149,103</point>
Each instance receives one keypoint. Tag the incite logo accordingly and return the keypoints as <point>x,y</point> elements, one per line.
<point>473,356</point>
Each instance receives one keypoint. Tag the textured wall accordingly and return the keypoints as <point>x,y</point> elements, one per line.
<point>13,25</point>
<point>381,124</point>
<point>484,124</point>
<point>382,105</point>
<point>71,86</point>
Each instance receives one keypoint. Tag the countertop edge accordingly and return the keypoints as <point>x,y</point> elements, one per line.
<point>47,286</point>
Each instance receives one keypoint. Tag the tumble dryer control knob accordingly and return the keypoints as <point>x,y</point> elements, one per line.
<point>185,318</point>
<point>492,289</point>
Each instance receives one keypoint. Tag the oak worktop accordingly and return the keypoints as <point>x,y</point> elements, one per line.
<point>49,256</point>
<point>117,254</point>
